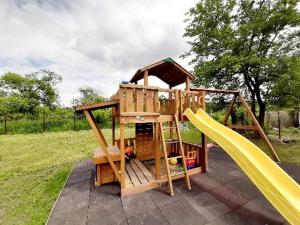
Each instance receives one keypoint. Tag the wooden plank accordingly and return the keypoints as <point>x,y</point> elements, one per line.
<point>144,170</point>
<point>135,86</point>
<point>203,100</point>
<point>149,101</point>
<point>122,155</point>
<point>94,106</point>
<point>138,173</point>
<point>122,96</point>
<point>134,179</point>
<point>157,152</point>
<point>260,130</point>
<point>194,103</point>
<point>113,129</point>
<point>130,103</point>
<point>229,109</point>
<point>203,154</point>
<point>139,188</point>
<point>139,114</point>
<point>215,90</point>
<point>187,83</point>
<point>156,102</point>
<point>128,183</point>
<point>139,100</point>
<point>102,142</point>
<point>146,83</point>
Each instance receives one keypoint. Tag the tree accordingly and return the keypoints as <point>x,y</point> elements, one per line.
<point>246,45</point>
<point>87,95</point>
<point>25,94</point>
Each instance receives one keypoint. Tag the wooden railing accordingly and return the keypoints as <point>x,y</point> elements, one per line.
<point>192,99</point>
<point>187,147</point>
<point>138,99</point>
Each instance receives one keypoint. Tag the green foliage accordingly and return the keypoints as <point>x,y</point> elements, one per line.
<point>87,95</point>
<point>247,45</point>
<point>25,94</point>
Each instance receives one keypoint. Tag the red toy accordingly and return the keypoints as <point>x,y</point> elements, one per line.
<point>191,159</point>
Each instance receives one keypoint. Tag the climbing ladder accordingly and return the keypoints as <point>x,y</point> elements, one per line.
<point>170,174</point>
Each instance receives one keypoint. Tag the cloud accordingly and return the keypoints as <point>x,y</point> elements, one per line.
<point>90,43</point>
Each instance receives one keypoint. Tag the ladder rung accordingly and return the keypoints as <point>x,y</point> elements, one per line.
<point>176,157</point>
<point>177,173</point>
<point>171,141</point>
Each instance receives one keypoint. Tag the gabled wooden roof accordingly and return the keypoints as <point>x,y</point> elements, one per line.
<point>167,70</point>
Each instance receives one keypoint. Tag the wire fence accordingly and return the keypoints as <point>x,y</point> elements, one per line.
<point>48,121</point>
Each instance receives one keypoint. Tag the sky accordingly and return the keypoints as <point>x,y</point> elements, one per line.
<point>90,43</point>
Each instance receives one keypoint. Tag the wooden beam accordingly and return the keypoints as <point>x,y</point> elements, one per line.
<point>122,152</point>
<point>113,128</point>
<point>260,130</point>
<point>229,109</point>
<point>203,153</point>
<point>187,83</point>
<point>137,86</point>
<point>146,83</point>
<point>157,152</point>
<point>101,141</point>
<point>215,90</point>
<point>94,106</point>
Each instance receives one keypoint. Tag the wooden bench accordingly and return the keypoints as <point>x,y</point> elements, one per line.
<point>104,172</point>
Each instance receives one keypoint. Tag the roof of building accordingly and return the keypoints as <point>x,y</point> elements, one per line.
<point>167,70</point>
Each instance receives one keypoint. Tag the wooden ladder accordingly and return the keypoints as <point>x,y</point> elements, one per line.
<point>181,156</point>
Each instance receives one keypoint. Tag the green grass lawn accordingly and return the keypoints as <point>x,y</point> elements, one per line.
<point>34,167</point>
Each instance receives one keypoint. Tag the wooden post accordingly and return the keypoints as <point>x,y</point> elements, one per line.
<point>122,152</point>
<point>204,152</point>
<point>157,152</point>
<point>102,142</point>
<point>146,78</point>
<point>279,126</point>
<point>187,83</point>
<point>113,130</point>
<point>170,123</point>
<point>259,129</point>
<point>229,109</point>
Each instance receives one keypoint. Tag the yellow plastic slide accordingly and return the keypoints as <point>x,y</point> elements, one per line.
<point>276,185</point>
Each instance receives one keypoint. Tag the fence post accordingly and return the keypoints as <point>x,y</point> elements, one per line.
<point>279,127</point>
<point>5,126</point>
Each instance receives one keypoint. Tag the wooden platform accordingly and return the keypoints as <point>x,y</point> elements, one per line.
<point>138,178</point>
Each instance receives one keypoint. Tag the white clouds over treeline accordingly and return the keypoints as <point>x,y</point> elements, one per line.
<point>90,43</point>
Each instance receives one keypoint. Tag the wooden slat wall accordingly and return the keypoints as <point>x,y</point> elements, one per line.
<point>133,99</point>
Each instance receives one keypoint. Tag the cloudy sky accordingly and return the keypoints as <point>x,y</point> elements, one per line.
<point>90,43</point>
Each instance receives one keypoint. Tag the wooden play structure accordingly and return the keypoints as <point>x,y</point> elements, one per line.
<point>160,153</point>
